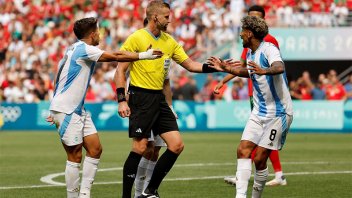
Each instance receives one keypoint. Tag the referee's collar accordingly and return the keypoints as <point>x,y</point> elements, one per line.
<point>155,37</point>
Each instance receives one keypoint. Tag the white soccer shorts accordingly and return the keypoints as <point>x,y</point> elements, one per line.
<point>73,127</point>
<point>266,132</point>
<point>158,141</point>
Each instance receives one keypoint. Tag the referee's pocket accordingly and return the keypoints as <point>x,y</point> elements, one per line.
<point>137,99</point>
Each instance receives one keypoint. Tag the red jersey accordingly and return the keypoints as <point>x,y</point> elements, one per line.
<point>267,38</point>
<point>335,92</point>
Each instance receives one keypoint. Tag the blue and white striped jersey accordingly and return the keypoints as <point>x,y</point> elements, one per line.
<point>75,71</point>
<point>271,95</point>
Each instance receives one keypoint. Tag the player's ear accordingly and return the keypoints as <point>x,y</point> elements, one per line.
<point>250,34</point>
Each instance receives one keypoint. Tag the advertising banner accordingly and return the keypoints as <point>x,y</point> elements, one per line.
<point>314,43</point>
<point>309,116</point>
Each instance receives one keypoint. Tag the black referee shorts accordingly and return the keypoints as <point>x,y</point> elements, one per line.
<point>149,111</point>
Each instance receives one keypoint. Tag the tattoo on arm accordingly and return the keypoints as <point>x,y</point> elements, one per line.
<point>276,68</point>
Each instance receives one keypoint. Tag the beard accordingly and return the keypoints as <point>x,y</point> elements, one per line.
<point>245,44</point>
<point>96,42</point>
<point>162,27</point>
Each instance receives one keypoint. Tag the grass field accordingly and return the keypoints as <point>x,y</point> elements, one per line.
<point>316,165</point>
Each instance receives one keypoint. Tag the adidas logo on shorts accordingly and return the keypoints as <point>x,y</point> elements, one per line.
<point>139,130</point>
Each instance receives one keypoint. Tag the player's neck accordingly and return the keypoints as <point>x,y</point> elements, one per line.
<point>255,45</point>
<point>153,29</point>
<point>87,41</point>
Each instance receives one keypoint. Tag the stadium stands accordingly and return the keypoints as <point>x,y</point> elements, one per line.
<point>36,33</point>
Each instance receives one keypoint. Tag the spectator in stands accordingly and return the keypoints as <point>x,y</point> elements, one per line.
<point>39,38</point>
<point>340,10</point>
<point>335,90</point>
<point>207,90</point>
<point>242,90</point>
<point>348,87</point>
<point>317,92</point>
<point>190,90</point>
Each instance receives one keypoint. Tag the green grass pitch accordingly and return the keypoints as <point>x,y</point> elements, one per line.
<point>316,165</point>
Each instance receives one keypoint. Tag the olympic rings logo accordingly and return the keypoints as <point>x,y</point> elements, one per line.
<point>10,113</point>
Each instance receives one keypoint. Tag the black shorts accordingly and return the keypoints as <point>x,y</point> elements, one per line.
<point>149,111</point>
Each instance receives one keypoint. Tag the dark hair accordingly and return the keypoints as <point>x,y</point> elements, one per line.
<point>84,27</point>
<point>256,25</point>
<point>257,8</point>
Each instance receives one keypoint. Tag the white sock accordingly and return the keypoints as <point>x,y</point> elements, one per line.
<point>149,174</point>
<point>90,167</point>
<point>260,178</point>
<point>243,174</point>
<point>278,175</point>
<point>72,179</point>
<point>140,177</point>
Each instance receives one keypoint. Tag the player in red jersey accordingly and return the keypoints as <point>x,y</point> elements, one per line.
<point>279,179</point>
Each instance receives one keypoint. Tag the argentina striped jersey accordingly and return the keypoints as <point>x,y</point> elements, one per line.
<point>271,95</point>
<point>75,71</point>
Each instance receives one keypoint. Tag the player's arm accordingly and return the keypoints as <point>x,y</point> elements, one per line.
<point>120,81</point>
<point>167,92</point>
<point>228,77</point>
<point>197,67</point>
<point>276,67</point>
<point>125,56</point>
<point>274,59</point>
<point>168,95</point>
<point>229,66</point>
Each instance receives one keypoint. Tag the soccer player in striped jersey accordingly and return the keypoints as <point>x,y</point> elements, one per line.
<point>279,179</point>
<point>272,113</point>
<point>74,124</point>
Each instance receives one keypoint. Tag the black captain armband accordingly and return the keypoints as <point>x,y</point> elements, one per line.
<point>120,94</point>
<point>207,69</point>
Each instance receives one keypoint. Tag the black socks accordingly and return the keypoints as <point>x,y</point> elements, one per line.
<point>129,173</point>
<point>162,167</point>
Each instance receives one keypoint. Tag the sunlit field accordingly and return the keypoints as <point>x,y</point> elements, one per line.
<point>315,164</point>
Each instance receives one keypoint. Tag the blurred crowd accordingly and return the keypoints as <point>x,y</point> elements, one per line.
<point>325,87</point>
<point>35,33</point>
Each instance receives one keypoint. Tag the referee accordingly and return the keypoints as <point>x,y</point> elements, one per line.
<point>147,108</point>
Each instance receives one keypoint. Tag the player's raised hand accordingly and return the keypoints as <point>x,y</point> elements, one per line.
<point>215,63</point>
<point>232,63</point>
<point>254,68</point>
<point>150,54</point>
<point>218,87</point>
<point>221,65</point>
<point>124,109</point>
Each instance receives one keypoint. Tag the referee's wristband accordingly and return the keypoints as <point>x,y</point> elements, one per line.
<point>207,69</point>
<point>120,94</point>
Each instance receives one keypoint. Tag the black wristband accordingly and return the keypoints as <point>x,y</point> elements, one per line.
<point>120,94</point>
<point>207,69</point>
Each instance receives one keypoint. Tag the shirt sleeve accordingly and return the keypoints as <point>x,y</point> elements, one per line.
<point>179,55</point>
<point>130,44</point>
<point>273,54</point>
<point>93,53</point>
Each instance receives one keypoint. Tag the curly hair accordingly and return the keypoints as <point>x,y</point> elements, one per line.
<point>256,25</point>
